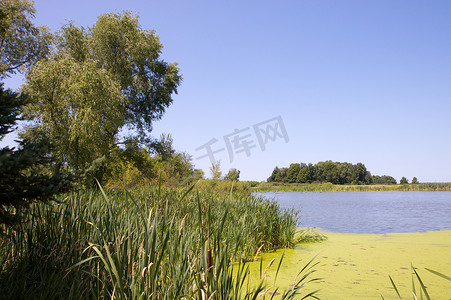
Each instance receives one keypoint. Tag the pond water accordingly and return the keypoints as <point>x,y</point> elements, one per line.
<point>370,212</point>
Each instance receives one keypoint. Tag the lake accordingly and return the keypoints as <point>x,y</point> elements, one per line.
<point>370,212</point>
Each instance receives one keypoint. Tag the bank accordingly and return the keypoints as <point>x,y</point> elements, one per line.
<point>329,187</point>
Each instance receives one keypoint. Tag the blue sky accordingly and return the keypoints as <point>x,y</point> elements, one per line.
<point>354,81</point>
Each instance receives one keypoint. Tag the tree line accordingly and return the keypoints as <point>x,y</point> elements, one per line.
<point>332,172</point>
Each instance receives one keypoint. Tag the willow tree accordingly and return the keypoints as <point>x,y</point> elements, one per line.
<point>21,42</point>
<point>96,82</point>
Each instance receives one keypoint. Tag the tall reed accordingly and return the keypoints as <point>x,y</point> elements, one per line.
<point>151,242</point>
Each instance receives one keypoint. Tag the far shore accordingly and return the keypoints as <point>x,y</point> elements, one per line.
<point>329,187</point>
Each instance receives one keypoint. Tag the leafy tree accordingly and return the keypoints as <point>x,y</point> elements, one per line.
<point>282,175</point>
<point>198,174</point>
<point>141,166</point>
<point>403,180</point>
<point>414,180</point>
<point>347,173</point>
<point>361,173</point>
<point>327,172</point>
<point>274,175</point>
<point>383,179</point>
<point>23,178</point>
<point>164,146</point>
<point>292,173</point>
<point>22,43</point>
<point>96,82</point>
<point>303,175</point>
<point>215,170</point>
<point>24,175</point>
<point>69,102</point>
<point>233,175</point>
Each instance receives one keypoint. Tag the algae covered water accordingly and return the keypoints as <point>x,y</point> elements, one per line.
<point>370,212</point>
<point>357,266</point>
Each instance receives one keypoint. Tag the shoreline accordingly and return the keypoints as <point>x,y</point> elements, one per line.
<point>328,187</point>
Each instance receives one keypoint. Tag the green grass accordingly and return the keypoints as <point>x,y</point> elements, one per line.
<point>329,187</point>
<point>149,243</point>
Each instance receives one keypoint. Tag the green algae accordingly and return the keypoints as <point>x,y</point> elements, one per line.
<point>358,266</point>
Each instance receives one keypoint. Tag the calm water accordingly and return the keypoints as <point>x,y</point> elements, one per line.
<point>370,212</point>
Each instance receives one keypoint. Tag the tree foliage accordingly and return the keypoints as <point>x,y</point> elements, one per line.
<point>21,42</point>
<point>403,180</point>
<point>292,173</point>
<point>138,165</point>
<point>97,82</point>
<point>233,175</point>
<point>215,170</point>
<point>11,105</point>
<point>23,177</point>
<point>327,171</point>
<point>77,104</point>
<point>385,179</point>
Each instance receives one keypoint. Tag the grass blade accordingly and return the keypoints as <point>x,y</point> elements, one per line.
<point>439,274</point>
<point>394,286</point>
<point>423,287</point>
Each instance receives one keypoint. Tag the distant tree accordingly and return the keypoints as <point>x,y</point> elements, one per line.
<point>215,170</point>
<point>383,179</point>
<point>233,175</point>
<point>368,178</point>
<point>303,175</point>
<point>328,172</point>
<point>362,174</point>
<point>164,147</point>
<point>282,176</point>
<point>347,173</point>
<point>414,180</point>
<point>403,180</point>
<point>274,175</point>
<point>278,175</point>
<point>198,174</point>
<point>292,173</point>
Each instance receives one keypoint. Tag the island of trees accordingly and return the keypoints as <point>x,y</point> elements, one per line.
<point>332,172</point>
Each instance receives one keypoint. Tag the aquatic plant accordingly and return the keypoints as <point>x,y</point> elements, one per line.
<point>150,242</point>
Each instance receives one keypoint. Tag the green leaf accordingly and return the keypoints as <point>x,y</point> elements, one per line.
<point>439,274</point>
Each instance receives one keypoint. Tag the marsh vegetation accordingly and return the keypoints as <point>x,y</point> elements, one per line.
<point>152,242</point>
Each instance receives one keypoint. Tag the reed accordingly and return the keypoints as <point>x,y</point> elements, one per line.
<point>147,243</point>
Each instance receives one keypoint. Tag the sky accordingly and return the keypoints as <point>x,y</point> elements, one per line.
<point>348,81</point>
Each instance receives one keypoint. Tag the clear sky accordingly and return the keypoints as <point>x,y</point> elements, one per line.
<point>354,81</point>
